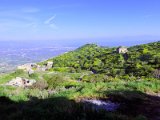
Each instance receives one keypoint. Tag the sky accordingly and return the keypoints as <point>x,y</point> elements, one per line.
<point>79,19</point>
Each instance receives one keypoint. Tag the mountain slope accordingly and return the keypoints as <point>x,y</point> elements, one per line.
<point>139,61</point>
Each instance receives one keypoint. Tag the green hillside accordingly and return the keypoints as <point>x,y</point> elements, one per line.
<point>129,79</point>
<point>139,61</point>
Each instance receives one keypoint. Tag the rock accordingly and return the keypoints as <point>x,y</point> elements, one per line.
<point>38,68</point>
<point>49,65</point>
<point>30,82</point>
<point>33,65</point>
<point>122,50</point>
<point>16,82</point>
<point>30,72</point>
<point>43,68</point>
<point>21,82</point>
<point>158,94</point>
<point>27,66</point>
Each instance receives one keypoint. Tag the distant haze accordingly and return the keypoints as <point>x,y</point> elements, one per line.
<point>110,42</point>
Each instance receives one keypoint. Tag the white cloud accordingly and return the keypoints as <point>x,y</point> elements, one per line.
<point>14,20</point>
<point>50,22</point>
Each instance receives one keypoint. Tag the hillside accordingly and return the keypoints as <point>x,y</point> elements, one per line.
<point>91,83</point>
<point>139,61</point>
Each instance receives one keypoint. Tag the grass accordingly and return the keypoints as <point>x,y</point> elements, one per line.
<point>61,107</point>
<point>67,86</point>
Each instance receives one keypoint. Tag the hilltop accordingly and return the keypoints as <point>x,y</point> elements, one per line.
<point>139,61</point>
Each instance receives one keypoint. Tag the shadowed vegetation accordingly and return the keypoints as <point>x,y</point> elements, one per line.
<point>133,106</point>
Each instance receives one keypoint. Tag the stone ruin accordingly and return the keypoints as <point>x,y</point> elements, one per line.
<point>30,66</point>
<point>46,66</point>
<point>49,65</point>
<point>27,66</point>
<point>21,82</point>
<point>122,50</point>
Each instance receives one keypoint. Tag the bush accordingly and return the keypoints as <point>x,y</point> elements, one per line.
<point>41,94</point>
<point>33,76</point>
<point>61,69</point>
<point>95,78</point>
<point>54,80</point>
<point>19,72</point>
<point>40,84</point>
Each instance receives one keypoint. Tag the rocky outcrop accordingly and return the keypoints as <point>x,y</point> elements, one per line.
<point>21,82</point>
<point>28,66</point>
<point>46,66</point>
<point>122,50</point>
<point>30,72</point>
<point>49,65</point>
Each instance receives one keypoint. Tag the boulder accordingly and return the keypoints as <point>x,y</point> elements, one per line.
<point>27,66</point>
<point>16,82</point>
<point>21,82</point>
<point>122,49</point>
<point>30,71</point>
<point>49,65</point>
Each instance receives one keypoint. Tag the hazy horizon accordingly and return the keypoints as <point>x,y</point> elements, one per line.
<point>80,20</point>
<point>69,43</point>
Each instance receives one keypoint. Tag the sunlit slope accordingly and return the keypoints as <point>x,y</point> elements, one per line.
<point>140,60</point>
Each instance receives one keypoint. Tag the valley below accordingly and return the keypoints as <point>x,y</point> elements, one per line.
<point>13,54</point>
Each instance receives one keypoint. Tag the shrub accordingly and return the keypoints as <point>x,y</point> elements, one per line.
<point>41,94</point>
<point>18,72</point>
<point>33,76</point>
<point>61,69</point>
<point>95,78</point>
<point>54,80</point>
<point>40,84</point>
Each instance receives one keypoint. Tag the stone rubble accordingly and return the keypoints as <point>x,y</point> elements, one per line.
<point>21,82</point>
<point>30,67</point>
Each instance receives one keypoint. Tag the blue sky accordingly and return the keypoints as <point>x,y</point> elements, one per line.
<point>79,19</point>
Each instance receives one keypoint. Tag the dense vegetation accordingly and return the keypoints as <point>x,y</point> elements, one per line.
<point>90,72</point>
<point>139,61</point>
